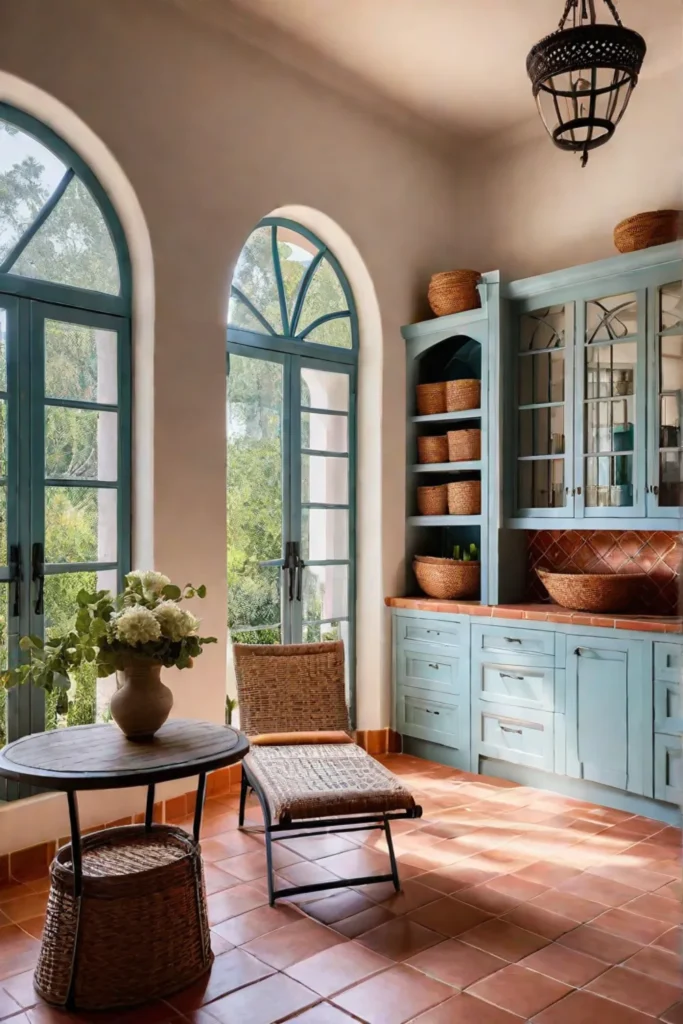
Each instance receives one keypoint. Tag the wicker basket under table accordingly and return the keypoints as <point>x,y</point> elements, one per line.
<point>142,924</point>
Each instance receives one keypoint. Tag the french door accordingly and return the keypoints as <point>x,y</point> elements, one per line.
<point>291,530</point>
<point>64,486</point>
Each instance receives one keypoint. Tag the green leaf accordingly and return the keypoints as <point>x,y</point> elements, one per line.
<point>25,644</point>
<point>201,591</point>
<point>98,628</point>
<point>171,592</point>
<point>83,598</point>
<point>83,620</point>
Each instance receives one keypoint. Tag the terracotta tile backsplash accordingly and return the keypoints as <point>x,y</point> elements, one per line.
<point>657,553</point>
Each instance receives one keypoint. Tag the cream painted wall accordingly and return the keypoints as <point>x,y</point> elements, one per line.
<point>544,211</point>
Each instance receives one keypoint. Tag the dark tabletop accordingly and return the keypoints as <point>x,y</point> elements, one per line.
<point>100,756</point>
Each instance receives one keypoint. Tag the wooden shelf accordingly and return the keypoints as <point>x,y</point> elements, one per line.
<point>444,521</point>
<point>447,467</point>
<point>448,417</point>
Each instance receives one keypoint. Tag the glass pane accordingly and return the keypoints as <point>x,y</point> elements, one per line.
<point>256,636</point>
<point>88,699</point>
<point>324,534</point>
<point>80,524</point>
<point>671,364</point>
<point>254,490</point>
<point>610,318</point>
<point>325,389</point>
<point>670,479</point>
<point>609,426</point>
<point>3,438</point>
<point>239,315</point>
<point>323,632</point>
<point>3,525</point>
<point>541,431</point>
<point>609,481</point>
<point>80,444</point>
<point>540,483</point>
<point>325,592</point>
<point>3,347</point>
<point>324,480</point>
<point>80,362</point>
<point>4,615</point>
<point>73,246</point>
<point>29,174</point>
<point>323,433</point>
<point>255,278</point>
<point>610,370</point>
<point>541,378</point>
<point>333,332</point>
<point>670,421</point>
<point>542,328</point>
<point>671,306</point>
<point>296,253</point>
<point>324,295</point>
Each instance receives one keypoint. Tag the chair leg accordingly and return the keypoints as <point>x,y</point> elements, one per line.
<point>244,789</point>
<point>392,856</point>
<point>269,868</point>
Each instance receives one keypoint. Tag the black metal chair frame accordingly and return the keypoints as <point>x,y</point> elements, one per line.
<point>315,826</point>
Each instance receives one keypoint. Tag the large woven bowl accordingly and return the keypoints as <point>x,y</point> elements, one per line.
<point>656,227</point>
<point>593,592</point>
<point>454,291</point>
<point>445,578</point>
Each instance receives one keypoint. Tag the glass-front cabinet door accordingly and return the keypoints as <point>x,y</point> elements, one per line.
<point>610,406</point>
<point>665,450</point>
<point>543,372</point>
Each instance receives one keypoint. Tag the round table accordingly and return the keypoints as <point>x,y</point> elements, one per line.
<point>94,757</point>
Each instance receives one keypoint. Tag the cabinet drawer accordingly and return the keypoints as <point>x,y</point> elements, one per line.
<point>523,738</point>
<point>445,632</point>
<point>668,662</point>
<point>514,685</point>
<point>668,708</point>
<point>513,640</point>
<point>433,670</point>
<point>432,717</point>
<point>668,769</point>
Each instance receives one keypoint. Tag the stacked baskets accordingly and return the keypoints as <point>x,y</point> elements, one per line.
<point>448,396</point>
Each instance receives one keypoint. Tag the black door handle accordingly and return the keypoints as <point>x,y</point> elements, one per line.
<point>38,576</point>
<point>15,576</point>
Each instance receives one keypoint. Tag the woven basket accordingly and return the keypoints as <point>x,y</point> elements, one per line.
<point>432,449</point>
<point>645,229</point>
<point>445,578</point>
<point>431,398</point>
<point>463,394</point>
<point>464,498</point>
<point>142,925</point>
<point>454,291</point>
<point>464,445</point>
<point>432,501</point>
<point>592,592</point>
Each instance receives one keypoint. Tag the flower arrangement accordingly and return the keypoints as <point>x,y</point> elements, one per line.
<point>144,623</point>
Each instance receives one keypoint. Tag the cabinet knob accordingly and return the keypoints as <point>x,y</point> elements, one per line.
<point>655,489</point>
<point>578,490</point>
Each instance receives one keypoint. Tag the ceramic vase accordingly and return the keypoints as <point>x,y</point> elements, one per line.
<point>142,703</point>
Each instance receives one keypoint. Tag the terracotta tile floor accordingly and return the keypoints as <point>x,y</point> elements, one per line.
<point>516,905</point>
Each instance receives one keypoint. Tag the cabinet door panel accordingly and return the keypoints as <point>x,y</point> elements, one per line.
<point>515,641</point>
<point>437,718</point>
<point>668,661</point>
<point>665,401</point>
<point>668,708</point>
<point>609,713</point>
<point>526,686</point>
<point>445,632</point>
<point>668,769</point>
<point>521,736</point>
<point>437,669</point>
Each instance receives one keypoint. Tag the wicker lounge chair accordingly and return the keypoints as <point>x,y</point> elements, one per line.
<point>308,775</point>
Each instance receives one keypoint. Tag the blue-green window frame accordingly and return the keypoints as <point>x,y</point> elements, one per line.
<point>29,303</point>
<point>292,342</point>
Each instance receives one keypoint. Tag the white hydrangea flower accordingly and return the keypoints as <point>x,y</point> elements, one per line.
<point>153,583</point>
<point>176,623</point>
<point>136,626</point>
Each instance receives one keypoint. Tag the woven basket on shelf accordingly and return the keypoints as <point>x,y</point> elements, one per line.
<point>454,291</point>
<point>141,920</point>
<point>432,501</point>
<point>431,398</point>
<point>432,448</point>
<point>463,394</point>
<point>657,227</point>
<point>592,592</point>
<point>445,578</point>
<point>464,445</point>
<point>464,498</point>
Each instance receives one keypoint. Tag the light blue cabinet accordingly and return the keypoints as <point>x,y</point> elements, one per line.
<point>436,718</point>
<point>609,713</point>
<point>668,769</point>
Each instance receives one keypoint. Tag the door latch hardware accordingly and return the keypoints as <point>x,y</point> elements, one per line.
<point>16,576</point>
<point>38,576</point>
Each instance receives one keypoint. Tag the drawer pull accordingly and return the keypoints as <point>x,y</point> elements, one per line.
<point>512,640</point>
<point>507,675</point>
<point>434,631</point>
<point>430,665</point>
<point>506,728</point>
<point>580,651</point>
<point>432,712</point>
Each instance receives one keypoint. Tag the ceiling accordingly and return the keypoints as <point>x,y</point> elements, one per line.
<point>459,64</point>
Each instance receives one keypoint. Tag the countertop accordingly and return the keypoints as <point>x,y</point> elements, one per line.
<point>542,613</point>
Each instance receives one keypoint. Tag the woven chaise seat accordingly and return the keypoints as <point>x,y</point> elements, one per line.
<point>324,780</point>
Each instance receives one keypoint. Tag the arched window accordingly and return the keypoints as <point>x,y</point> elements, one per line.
<point>65,369</point>
<point>292,361</point>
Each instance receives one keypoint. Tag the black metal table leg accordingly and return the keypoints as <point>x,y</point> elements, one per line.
<point>75,843</point>
<point>149,808</point>
<point>199,806</point>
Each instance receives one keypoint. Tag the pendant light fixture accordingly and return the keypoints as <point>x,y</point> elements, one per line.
<point>583,75</point>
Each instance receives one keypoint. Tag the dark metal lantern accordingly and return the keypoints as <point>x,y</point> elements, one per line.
<point>583,76</point>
